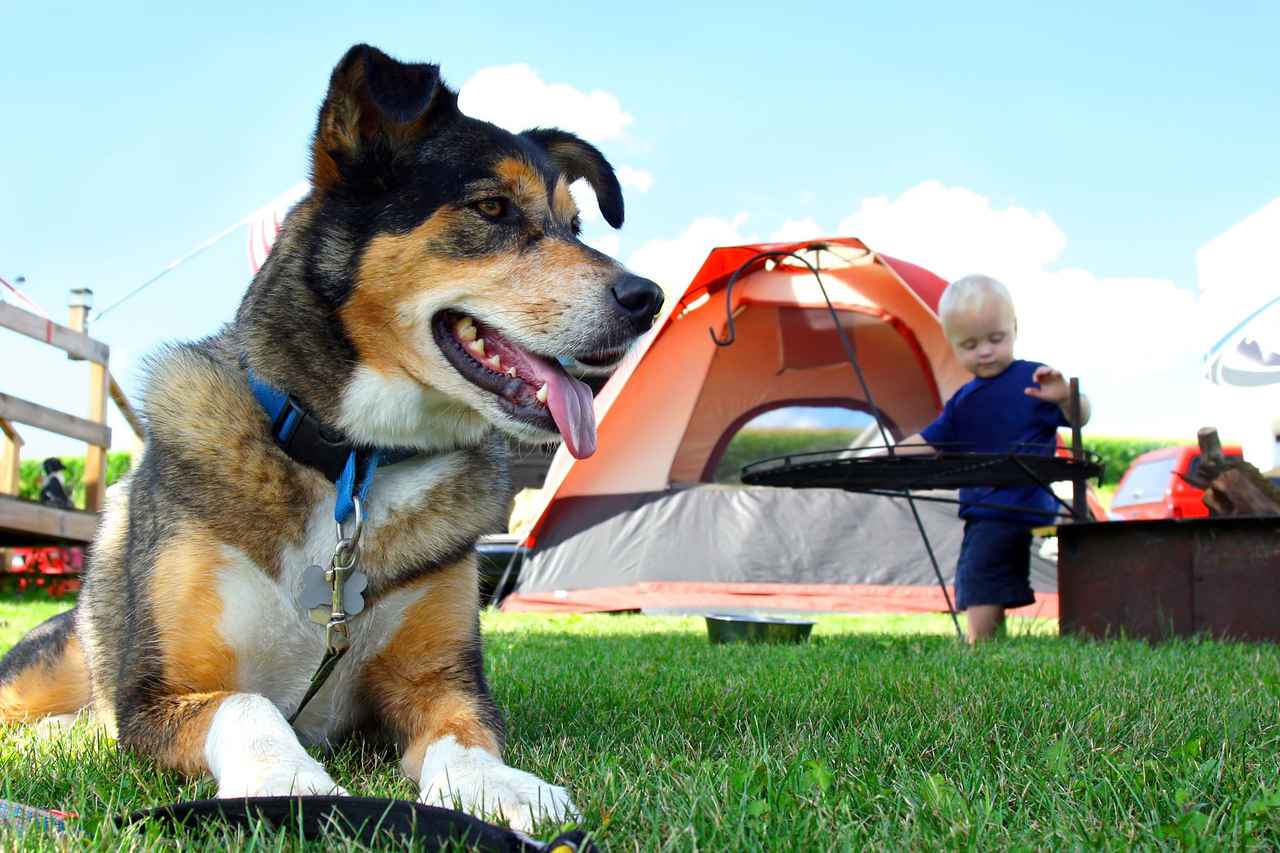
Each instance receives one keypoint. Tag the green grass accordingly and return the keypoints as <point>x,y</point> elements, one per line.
<point>881,733</point>
<point>19,614</point>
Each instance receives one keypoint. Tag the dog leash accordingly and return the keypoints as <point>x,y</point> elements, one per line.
<point>343,585</point>
<point>334,595</point>
<point>369,820</point>
<point>19,818</point>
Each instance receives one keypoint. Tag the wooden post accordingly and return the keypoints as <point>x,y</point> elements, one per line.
<point>1231,485</point>
<point>1079,485</point>
<point>1210,445</point>
<point>10,459</point>
<point>95,460</point>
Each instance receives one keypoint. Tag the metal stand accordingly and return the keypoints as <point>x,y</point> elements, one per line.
<point>1079,493</point>
<point>850,351</point>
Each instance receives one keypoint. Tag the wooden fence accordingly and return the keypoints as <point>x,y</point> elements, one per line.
<point>29,523</point>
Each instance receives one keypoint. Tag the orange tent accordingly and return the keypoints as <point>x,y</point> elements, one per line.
<point>666,416</point>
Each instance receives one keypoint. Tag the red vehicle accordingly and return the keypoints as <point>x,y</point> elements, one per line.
<point>1153,487</point>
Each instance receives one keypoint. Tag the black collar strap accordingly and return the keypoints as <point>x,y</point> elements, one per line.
<point>300,435</point>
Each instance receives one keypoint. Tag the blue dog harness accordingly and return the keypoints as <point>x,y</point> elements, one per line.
<point>331,596</point>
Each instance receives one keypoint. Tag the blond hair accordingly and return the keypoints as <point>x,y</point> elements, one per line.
<point>971,293</point>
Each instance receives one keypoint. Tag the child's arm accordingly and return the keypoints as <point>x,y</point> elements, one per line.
<point>911,446</point>
<point>1054,388</point>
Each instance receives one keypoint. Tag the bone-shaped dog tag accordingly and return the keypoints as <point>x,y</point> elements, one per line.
<point>353,592</point>
<point>316,596</point>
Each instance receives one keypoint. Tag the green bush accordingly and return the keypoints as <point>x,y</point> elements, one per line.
<point>1118,451</point>
<point>118,464</point>
<point>752,445</point>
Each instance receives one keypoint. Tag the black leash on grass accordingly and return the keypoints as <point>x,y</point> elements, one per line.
<point>367,820</point>
<point>852,353</point>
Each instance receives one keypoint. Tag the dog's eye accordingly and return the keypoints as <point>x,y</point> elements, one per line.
<point>492,208</point>
<point>575,225</point>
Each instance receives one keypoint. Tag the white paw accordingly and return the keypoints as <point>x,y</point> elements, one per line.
<point>289,779</point>
<point>56,725</point>
<point>478,782</point>
<point>252,752</point>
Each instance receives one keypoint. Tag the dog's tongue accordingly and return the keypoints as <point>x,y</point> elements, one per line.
<point>570,403</point>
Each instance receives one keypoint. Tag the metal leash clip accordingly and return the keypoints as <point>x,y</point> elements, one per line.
<point>334,595</point>
<point>342,565</point>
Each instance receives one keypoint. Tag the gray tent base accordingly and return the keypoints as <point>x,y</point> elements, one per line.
<point>737,536</point>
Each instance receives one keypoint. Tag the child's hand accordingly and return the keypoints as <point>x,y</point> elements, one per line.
<point>1053,386</point>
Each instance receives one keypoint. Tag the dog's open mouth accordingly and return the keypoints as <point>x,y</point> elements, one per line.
<point>531,387</point>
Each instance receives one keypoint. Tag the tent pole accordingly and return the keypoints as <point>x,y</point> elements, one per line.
<point>496,596</point>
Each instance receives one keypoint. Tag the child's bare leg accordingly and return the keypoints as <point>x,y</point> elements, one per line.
<point>984,621</point>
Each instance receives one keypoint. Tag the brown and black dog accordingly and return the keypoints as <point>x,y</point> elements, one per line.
<point>426,291</point>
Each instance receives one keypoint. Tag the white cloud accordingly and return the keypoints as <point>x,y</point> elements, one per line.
<point>955,231</point>
<point>797,229</point>
<point>1069,317</point>
<point>516,98</point>
<point>634,179</point>
<point>672,263</point>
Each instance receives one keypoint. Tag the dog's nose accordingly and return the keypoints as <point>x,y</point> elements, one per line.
<point>638,299</point>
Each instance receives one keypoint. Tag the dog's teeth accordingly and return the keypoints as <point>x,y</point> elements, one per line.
<point>511,371</point>
<point>477,347</point>
<point>494,363</point>
<point>542,394</point>
<point>465,329</point>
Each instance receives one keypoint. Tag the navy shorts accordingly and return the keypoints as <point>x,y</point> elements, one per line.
<point>994,565</point>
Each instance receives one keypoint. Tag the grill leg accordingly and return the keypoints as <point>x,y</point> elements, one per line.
<point>1079,485</point>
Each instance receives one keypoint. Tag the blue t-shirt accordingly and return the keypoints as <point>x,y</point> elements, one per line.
<point>995,415</point>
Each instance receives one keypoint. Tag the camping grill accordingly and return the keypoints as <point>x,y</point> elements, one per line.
<point>896,475</point>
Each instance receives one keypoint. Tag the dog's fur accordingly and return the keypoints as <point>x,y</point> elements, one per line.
<point>188,641</point>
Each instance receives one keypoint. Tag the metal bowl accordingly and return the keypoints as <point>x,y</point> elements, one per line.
<point>722,628</point>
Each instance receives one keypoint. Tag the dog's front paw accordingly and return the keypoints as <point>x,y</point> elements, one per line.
<point>284,779</point>
<point>252,752</point>
<point>478,782</point>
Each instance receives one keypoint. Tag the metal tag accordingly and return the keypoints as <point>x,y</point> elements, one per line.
<point>316,596</point>
<point>353,592</point>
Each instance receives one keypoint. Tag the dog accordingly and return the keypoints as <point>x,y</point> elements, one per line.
<point>417,309</point>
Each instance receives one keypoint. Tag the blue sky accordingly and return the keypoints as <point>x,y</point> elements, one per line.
<point>1087,150</point>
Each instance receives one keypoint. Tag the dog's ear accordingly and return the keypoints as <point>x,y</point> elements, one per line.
<point>375,112</point>
<point>578,159</point>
